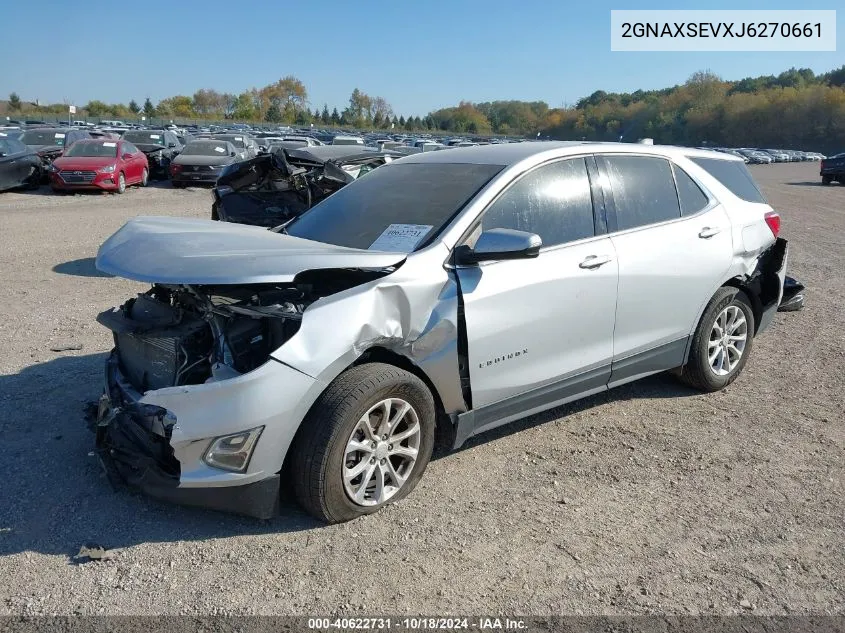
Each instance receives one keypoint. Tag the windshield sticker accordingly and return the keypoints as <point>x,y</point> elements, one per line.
<point>239,138</point>
<point>401,238</point>
<point>155,136</point>
<point>3,134</point>
<point>59,135</point>
<point>109,144</point>
<point>222,150</point>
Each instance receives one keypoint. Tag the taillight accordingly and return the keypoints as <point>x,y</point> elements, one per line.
<point>773,220</point>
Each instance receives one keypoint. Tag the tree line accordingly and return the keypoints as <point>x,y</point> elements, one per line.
<point>792,109</point>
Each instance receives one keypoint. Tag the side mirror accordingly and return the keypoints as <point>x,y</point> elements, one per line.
<point>497,244</point>
<point>127,156</point>
<point>171,144</point>
<point>233,153</point>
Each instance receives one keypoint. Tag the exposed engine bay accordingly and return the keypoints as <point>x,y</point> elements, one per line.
<point>271,189</point>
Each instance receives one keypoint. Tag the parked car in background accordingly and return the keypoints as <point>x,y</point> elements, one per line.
<point>832,169</point>
<point>246,146</point>
<point>418,296</point>
<point>201,162</point>
<point>273,188</point>
<point>50,142</point>
<point>110,165</point>
<point>756,157</point>
<point>160,146</point>
<point>19,165</point>
<point>341,139</point>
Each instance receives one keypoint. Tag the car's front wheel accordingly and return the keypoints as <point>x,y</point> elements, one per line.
<point>121,183</point>
<point>365,443</point>
<point>722,341</point>
<point>145,177</point>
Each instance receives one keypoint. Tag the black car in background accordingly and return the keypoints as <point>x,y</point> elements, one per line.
<point>50,142</point>
<point>19,165</point>
<point>832,169</point>
<point>160,146</point>
<point>201,162</point>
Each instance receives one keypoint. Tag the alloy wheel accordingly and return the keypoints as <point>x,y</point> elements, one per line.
<point>381,452</point>
<point>727,341</point>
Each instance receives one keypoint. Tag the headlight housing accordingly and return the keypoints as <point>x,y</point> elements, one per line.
<point>108,169</point>
<point>232,452</point>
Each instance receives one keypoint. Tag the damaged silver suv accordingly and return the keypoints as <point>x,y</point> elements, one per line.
<point>460,290</point>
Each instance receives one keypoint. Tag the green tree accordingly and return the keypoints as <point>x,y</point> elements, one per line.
<point>377,120</point>
<point>273,114</point>
<point>335,117</point>
<point>401,121</point>
<point>134,108</point>
<point>244,107</point>
<point>303,117</point>
<point>97,108</point>
<point>325,117</point>
<point>14,102</point>
<point>149,108</point>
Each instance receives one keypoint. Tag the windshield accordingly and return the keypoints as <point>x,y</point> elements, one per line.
<point>205,148</point>
<point>91,150</point>
<point>43,137</point>
<point>393,208</point>
<point>145,138</point>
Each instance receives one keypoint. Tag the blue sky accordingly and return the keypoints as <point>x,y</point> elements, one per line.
<point>419,55</point>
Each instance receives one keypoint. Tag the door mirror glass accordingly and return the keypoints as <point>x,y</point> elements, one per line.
<point>497,244</point>
<point>127,156</point>
<point>171,144</point>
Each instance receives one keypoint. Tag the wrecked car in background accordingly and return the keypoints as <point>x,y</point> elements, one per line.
<point>160,146</point>
<point>328,350</point>
<point>50,142</point>
<point>276,187</point>
<point>19,165</point>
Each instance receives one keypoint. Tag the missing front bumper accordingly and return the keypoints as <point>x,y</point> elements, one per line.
<point>132,441</point>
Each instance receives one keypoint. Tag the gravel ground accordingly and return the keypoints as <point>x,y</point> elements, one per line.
<point>650,498</point>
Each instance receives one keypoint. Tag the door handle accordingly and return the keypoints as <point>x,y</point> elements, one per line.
<point>594,261</point>
<point>708,232</point>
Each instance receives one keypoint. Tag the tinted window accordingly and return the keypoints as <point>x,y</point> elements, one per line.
<point>11,146</point>
<point>643,190</point>
<point>129,148</point>
<point>733,175</point>
<point>690,194</point>
<point>552,201</point>
<point>424,195</point>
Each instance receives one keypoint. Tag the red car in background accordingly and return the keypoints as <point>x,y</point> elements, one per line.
<point>107,164</point>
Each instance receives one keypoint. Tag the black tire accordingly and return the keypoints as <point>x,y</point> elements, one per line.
<point>697,372</point>
<point>214,214</point>
<point>319,447</point>
<point>177,185</point>
<point>826,180</point>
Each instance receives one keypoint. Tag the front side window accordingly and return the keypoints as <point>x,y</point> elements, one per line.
<point>552,201</point>
<point>643,190</point>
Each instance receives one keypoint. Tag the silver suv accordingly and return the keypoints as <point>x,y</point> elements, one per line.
<point>455,290</point>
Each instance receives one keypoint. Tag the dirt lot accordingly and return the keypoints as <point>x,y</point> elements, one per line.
<point>647,499</point>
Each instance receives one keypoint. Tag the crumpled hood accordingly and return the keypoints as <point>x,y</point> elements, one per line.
<point>191,251</point>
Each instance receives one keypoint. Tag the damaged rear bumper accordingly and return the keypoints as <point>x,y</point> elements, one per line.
<point>772,267</point>
<point>149,442</point>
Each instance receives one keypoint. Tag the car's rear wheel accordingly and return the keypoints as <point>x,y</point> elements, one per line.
<point>365,443</point>
<point>121,183</point>
<point>721,343</point>
<point>145,177</point>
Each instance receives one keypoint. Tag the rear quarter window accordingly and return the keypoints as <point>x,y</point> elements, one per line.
<point>734,175</point>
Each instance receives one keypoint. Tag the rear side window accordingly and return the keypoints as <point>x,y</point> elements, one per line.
<point>643,190</point>
<point>691,196</point>
<point>552,201</point>
<point>733,175</point>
